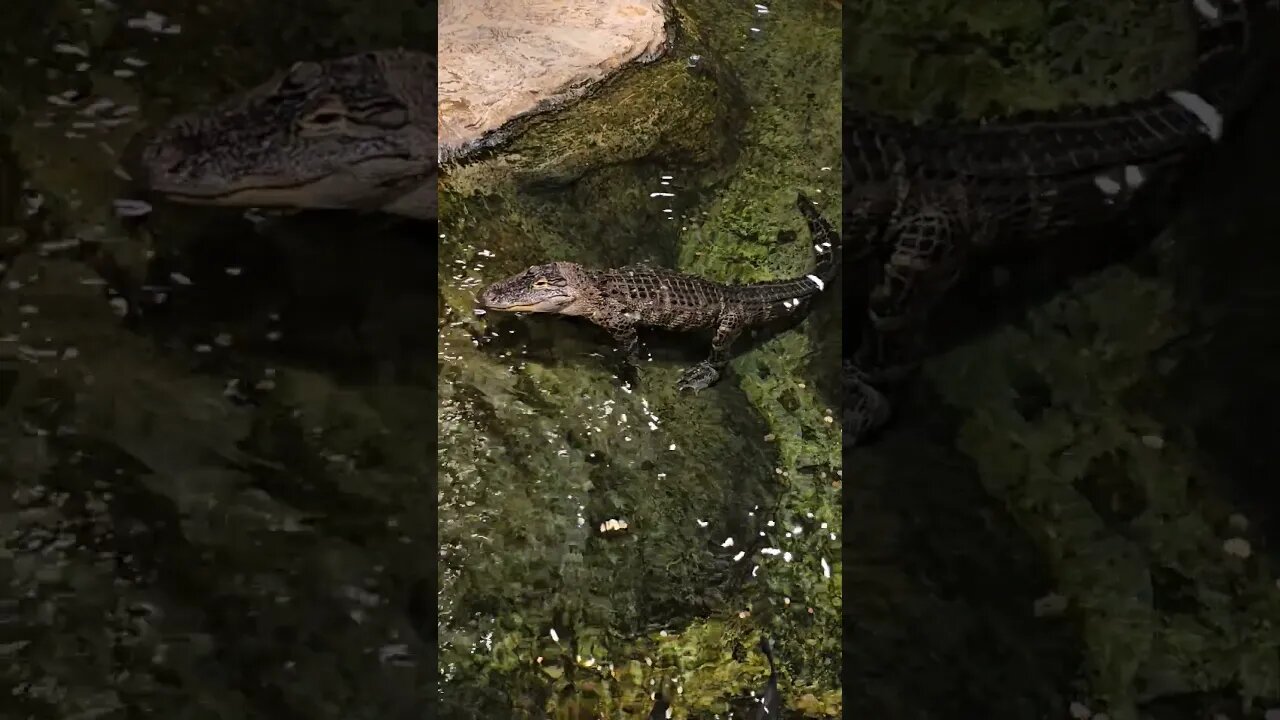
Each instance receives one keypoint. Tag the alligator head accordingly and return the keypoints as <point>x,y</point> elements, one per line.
<point>555,287</point>
<point>356,132</point>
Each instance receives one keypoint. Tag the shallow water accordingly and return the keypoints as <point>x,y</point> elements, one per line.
<point>216,425</point>
<point>730,498</point>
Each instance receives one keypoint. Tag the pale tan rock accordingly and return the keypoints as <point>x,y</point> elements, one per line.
<point>501,60</point>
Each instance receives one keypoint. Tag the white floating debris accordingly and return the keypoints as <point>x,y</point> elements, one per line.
<point>728,542</point>
<point>126,207</point>
<point>1237,547</point>
<point>69,49</point>
<point>154,22</point>
<point>613,525</point>
<point>701,523</point>
<point>179,278</point>
<point>741,554</point>
<point>56,245</point>
<point>826,569</point>
<point>555,636</point>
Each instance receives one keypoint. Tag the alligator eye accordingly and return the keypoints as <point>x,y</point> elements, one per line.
<point>541,283</point>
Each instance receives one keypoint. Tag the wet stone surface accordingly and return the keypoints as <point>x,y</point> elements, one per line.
<point>501,60</point>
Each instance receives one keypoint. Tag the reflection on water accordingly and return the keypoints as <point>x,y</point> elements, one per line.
<point>216,483</point>
<point>604,536</point>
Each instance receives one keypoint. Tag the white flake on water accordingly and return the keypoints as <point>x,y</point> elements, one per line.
<point>69,49</point>
<point>826,569</point>
<point>126,207</point>
<point>1108,185</point>
<point>554,635</point>
<point>1207,9</point>
<point>154,22</point>
<point>728,542</point>
<point>816,281</point>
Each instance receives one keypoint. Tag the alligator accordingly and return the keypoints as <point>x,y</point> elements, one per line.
<point>923,199</point>
<point>620,300</point>
<point>356,132</point>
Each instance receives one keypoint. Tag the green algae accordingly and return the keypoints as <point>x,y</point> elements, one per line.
<point>1145,605</point>
<point>738,133</point>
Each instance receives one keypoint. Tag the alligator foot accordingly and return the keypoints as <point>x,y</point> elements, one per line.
<point>629,373</point>
<point>866,409</point>
<point>699,377</point>
<point>931,238</point>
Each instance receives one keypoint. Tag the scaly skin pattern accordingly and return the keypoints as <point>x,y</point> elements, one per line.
<point>622,299</point>
<point>922,199</point>
<point>356,132</point>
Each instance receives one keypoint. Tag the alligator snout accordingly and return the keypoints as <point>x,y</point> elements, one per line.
<point>487,298</point>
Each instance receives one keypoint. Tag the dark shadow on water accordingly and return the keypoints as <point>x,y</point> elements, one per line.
<point>344,293</point>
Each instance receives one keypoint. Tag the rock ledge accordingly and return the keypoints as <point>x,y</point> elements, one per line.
<point>502,60</point>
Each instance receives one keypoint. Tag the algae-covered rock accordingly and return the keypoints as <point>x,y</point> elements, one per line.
<point>503,60</point>
<point>676,111</point>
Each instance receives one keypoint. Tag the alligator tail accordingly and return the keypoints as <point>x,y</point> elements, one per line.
<point>767,649</point>
<point>826,240</point>
<point>1236,42</point>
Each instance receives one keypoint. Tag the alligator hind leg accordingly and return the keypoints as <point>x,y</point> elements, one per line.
<point>706,373</point>
<point>928,241</point>
<point>866,409</point>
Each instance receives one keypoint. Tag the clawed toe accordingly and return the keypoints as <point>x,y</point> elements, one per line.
<point>698,377</point>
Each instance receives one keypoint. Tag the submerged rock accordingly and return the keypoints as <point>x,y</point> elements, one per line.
<point>502,60</point>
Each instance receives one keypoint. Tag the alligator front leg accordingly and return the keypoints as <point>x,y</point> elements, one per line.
<point>706,373</point>
<point>628,345</point>
<point>626,340</point>
<point>928,242</point>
